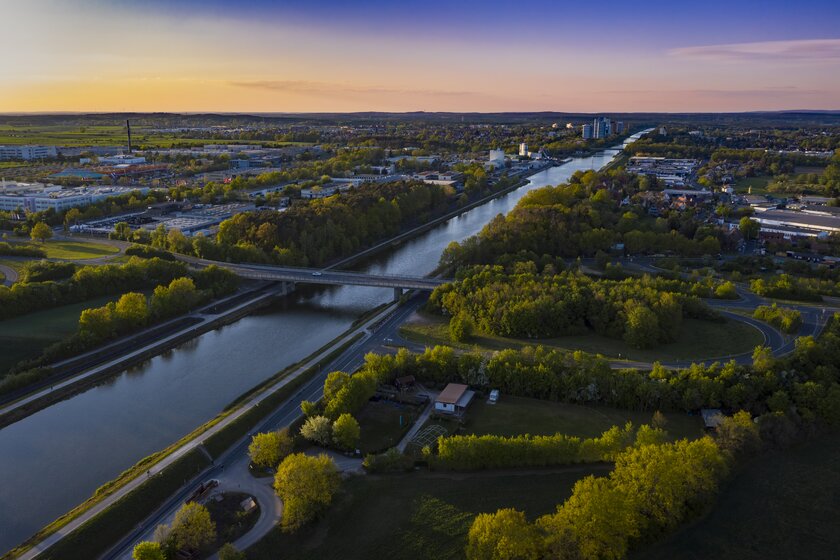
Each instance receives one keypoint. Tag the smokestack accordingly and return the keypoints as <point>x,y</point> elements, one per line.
<point>128,127</point>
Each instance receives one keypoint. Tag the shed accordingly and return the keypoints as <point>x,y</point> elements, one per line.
<point>404,382</point>
<point>455,398</point>
<point>712,417</point>
<point>248,504</point>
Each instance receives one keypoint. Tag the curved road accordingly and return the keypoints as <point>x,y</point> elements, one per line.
<point>10,275</point>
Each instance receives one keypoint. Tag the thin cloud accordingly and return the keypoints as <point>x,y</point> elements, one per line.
<point>766,91</point>
<point>804,50</point>
<point>330,89</point>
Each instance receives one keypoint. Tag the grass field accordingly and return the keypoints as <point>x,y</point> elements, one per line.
<point>418,515</point>
<point>758,184</point>
<point>783,505</point>
<point>26,337</point>
<point>383,425</point>
<point>516,415</point>
<point>698,340</point>
<point>77,250</point>
<point>102,135</point>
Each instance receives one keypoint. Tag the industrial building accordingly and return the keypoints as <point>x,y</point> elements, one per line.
<point>27,152</point>
<point>38,197</point>
<point>671,172</point>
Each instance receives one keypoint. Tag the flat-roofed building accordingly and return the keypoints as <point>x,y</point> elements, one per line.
<point>454,399</point>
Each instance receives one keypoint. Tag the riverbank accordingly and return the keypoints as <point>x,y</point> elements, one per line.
<point>82,372</point>
<point>58,457</point>
<point>284,383</point>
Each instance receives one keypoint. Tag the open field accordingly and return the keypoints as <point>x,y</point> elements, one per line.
<point>26,336</point>
<point>698,340</point>
<point>783,505</point>
<point>517,415</point>
<point>383,425</point>
<point>104,135</point>
<point>758,184</point>
<point>418,515</point>
<point>77,250</point>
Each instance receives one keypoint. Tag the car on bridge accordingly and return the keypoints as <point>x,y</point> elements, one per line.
<point>316,274</point>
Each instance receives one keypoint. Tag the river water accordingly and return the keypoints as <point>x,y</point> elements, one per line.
<point>54,459</point>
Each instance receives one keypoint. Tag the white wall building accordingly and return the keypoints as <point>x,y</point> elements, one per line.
<point>122,159</point>
<point>27,152</point>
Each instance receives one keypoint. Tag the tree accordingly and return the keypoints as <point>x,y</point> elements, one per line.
<point>504,535</point>
<point>762,358</point>
<point>132,309</point>
<point>738,435</point>
<point>268,449</point>
<point>193,527</point>
<point>40,232</point>
<point>642,330</point>
<point>749,228</point>
<point>596,521</point>
<point>460,327</point>
<point>345,431</point>
<point>148,551</point>
<point>306,486</point>
<point>72,216</point>
<point>317,429</point>
<point>230,552</point>
<point>308,408</point>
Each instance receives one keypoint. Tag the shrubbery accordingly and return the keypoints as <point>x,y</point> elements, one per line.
<point>784,319</point>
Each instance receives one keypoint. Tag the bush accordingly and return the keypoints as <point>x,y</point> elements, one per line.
<point>389,461</point>
<point>43,271</point>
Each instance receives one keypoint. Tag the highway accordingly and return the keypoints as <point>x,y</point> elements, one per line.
<point>284,415</point>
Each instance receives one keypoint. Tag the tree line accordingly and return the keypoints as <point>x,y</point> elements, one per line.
<point>471,452</point>
<point>581,219</point>
<point>523,304</point>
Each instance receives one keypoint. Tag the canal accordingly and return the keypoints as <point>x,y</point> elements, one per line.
<point>53,460</point>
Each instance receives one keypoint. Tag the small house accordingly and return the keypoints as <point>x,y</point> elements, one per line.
<point>454,399</point>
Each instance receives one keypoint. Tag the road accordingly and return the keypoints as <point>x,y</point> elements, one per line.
<point>378,330</point>
<point>10,275</point>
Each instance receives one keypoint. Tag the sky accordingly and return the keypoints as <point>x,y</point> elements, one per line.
<point>409,55</point>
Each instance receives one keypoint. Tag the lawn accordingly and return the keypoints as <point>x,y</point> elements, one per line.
<point>757,185</point>
<point>26,336</point>
<point>383,424</point>
<point>231,520</point>
<point>518,415</point>
<point>698,340</point>
<point>77,250</point>
<point>783,505</point>
<point>418,515</point>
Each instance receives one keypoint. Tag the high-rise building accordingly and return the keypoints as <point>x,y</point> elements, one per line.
<point>601,127</point>
<point>523,149</point>
<point>586,131</point>
<point>619,127</point>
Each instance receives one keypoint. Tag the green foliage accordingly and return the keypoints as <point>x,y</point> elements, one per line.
<point>738,435</point>
<point>494,452</point>
<point>389,461</point>
<point>40,232</point>
<point>267,449</point>
<point>229,552</point>
<point>86,283</point>
<point>43,271</point>
<point>651,489</point>
<point>346,432</point>
<point>20,250</point>
<point>306,485</point>
<point>460,327</point>
<point>320,230</point>
<point>192,527</point>
<point>524,304</point>
<point>317,429</point>
<point>148,551</point>
<point>504,535</point>
<point>784,319</point>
